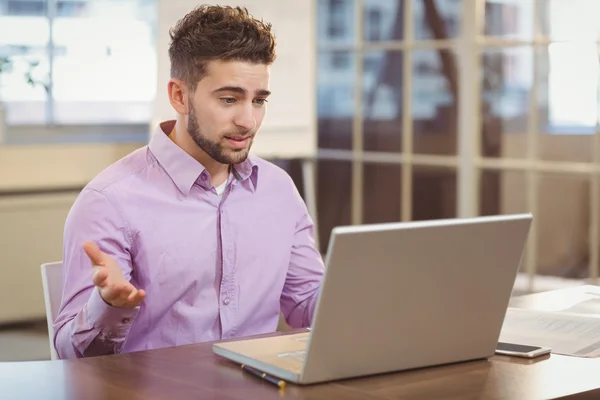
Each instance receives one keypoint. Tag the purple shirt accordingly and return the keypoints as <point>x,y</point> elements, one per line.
<point>212,268</point>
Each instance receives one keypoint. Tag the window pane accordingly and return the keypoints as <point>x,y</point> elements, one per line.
<point>433,193</point>
<point>437,20</point>
<point>336,73</point>
<point>24,34</point>
<point>568,71</point>
<point>105,62</point>
<point>25,7</point>
<point>563,225</point>
<point>70,8</point>
<point>510,19</point>
<point>503,192</point>
<point>434,101</point>
<point>336,22</point>
<point>382,193</point>
<point>383,20</point>
<point>382,97</point>
<point>334,197</point>
<point>570,19</point>
<point>506,87</point>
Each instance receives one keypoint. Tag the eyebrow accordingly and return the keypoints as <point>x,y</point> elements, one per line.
<point>241,90</point>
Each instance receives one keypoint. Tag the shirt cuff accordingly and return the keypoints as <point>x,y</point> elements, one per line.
<point>112,321</point>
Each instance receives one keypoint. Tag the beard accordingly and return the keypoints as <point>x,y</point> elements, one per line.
<point>216,149</point>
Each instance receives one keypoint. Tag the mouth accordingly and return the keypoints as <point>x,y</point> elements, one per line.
<point>238,141</point>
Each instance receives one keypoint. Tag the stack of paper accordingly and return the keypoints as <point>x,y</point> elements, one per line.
<point>569,325</point>
<point>565,333</point>
<point>591,306</point>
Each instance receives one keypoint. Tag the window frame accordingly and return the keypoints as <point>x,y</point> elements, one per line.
<point>50,131</point>
<point>469,162</point>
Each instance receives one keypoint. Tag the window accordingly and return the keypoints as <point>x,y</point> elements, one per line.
<point>528,120</point>
<point>94,61</point>
<point>340,60</point>
<point>26,7</point>
<point>373,25</point>
<point>70,8</point>
<point>566,60</point>
<point>337,18</point>
<point>571,66</point>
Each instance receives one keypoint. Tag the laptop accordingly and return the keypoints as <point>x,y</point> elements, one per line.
<point>399,296</point>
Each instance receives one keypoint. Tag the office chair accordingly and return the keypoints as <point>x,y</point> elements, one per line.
<point>52,284</point>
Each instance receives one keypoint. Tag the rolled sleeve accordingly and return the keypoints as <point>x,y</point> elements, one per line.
<point>107,318</point>
<point>101,328</point>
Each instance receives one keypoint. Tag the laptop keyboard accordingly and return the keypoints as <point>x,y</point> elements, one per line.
<point>295,355</point>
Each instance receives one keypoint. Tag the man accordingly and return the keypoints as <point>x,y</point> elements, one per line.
<point>190,239</point>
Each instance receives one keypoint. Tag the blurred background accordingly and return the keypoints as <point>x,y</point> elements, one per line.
<point>425,109</point>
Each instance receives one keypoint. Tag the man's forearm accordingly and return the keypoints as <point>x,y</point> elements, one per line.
<point>309,311</point>
<point>301,315</point>
<point>97,329</point>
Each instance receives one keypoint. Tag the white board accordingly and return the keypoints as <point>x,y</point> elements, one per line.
<point>289,129</point>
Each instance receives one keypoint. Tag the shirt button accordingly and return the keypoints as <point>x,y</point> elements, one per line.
<point>226,300</point>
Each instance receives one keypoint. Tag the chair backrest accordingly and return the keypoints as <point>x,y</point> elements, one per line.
<point>52,284</point>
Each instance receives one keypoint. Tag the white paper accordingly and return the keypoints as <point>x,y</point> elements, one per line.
<point>590,306</point>
<point>565,333</point>
<point>586,301</point>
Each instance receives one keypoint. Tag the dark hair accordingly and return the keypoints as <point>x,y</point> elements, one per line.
<point>217,33</point>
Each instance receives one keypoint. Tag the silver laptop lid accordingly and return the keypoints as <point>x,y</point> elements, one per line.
<point>405,295</point>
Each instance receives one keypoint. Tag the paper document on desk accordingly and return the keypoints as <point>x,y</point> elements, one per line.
<point>589,306</point>
<point>574,300</point>
<point>565,333</point>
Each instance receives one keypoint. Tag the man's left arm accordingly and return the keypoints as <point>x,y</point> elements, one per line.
<point>305,272</point>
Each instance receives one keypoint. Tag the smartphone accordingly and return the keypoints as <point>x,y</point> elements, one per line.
<point>521,350</point>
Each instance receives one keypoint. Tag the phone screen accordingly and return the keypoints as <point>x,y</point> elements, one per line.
<point>521,348</point>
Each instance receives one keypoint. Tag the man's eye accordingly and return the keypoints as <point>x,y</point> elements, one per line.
<point>261,101</point>
<point>228,100</point>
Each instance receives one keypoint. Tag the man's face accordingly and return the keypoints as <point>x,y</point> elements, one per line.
<point>227,109</point>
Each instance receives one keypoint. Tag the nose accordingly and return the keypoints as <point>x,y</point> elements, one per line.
<point>245,118</point>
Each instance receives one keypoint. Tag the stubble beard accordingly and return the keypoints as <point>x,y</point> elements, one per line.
<point>216,150</point>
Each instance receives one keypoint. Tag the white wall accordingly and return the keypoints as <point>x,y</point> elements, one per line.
<point>55,166</point>
<point>30,234</point>
<point>31,225</point>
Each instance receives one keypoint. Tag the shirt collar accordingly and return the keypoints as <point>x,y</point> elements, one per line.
<point>184,170</point>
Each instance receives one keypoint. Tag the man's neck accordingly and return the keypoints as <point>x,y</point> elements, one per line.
<point>218,172</point>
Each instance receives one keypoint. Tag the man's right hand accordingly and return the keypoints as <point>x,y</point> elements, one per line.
<point>109,279</point>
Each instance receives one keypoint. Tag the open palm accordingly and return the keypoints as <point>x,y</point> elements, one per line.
<point>109,279</point>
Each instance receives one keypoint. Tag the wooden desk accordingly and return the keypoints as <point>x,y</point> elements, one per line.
<point>194,372</point>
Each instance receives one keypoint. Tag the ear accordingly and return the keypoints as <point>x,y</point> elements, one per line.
<point>178,96</point>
